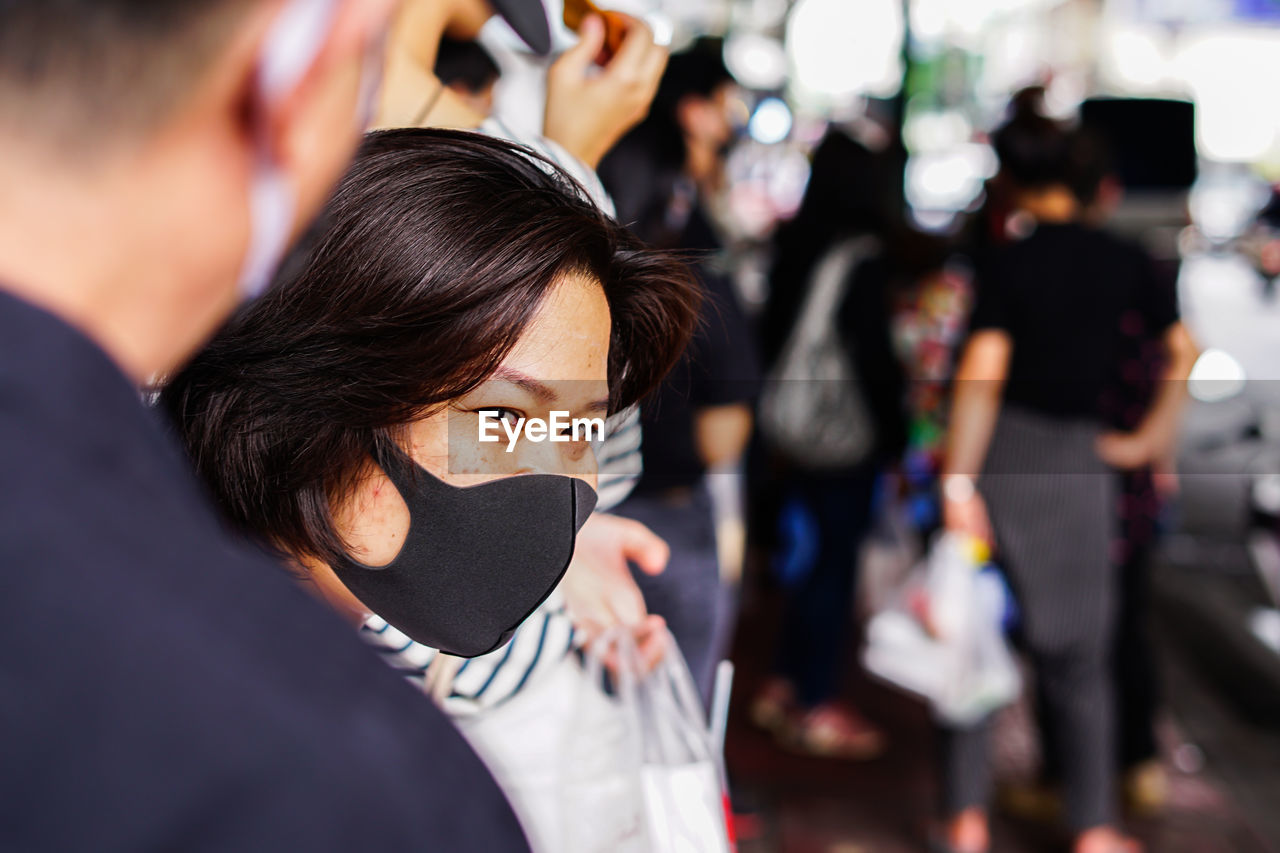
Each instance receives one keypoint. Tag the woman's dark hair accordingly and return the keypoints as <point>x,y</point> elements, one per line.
<point>1037,152</point>
<point>1034,150</point>
<point>431,258</point>
<point>640,172</point>
<point>846,195</point>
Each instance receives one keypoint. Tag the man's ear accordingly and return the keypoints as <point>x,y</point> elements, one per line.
<point>310,64</point>
<point>312,125</point>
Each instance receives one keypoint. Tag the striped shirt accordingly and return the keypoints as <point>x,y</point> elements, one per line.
<point>548,635</point>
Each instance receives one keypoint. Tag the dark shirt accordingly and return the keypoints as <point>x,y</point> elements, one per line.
<point>1063,295</point>
<point>718,369</point>
<point>864,323</point>
<point>149,698</point>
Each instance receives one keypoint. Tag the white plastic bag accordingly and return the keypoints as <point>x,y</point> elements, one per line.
<point>652,782</point>
<point>523,740</point>
<point>941,636</point>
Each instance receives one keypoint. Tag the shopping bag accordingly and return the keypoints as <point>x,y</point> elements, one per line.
<point>651,779</point>
<point>522,742</point>
<point>942,635</point>
<point>811,408</point>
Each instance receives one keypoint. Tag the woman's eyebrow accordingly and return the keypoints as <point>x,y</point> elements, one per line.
<point>541,391</point>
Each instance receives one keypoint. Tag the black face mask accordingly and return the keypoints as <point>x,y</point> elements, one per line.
<point>477,560</point>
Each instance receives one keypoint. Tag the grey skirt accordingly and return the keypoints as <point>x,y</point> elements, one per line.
<point>1052,504</point>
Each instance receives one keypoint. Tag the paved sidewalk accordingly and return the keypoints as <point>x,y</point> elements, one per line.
<point>810,805</point>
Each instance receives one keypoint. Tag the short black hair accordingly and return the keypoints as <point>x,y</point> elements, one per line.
<point>1034,150</point>
<point>642,168</point>
<point>85,69</point>
<point>1037,152</point>
<point>698,70</point>
<point>465,63</point>
<point>1091,163</point>
<point>434,254</point>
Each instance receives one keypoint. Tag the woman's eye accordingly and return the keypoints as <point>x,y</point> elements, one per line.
<point>511,416</point>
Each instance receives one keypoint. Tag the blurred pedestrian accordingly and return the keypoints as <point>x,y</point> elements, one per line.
<point>828,310</point>
<point>700,420</point>
<point>1029,461</point>
<point>1142,494</point>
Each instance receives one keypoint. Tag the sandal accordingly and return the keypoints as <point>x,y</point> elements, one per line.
<point>773,705</point>
<point>1146,789</point>
<point>832,731</point>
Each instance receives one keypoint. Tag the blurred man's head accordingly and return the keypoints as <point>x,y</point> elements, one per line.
<point>1094,180</point>
<point>693,98</point>
<point>467,68</point>
<point>155,148</point>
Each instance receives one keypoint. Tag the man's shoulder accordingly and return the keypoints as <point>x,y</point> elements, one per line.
<point>149,649</point>
<point>160,677</point>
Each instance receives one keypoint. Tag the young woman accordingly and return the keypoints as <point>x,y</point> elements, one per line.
<point>454,281</point>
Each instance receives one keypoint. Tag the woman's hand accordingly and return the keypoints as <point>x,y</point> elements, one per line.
<point>1126,451</point>
<point>599,590</point>
<point>650,637</point>
<point>963,510</point>
<point>1156,438</point>
<point>588,110</point>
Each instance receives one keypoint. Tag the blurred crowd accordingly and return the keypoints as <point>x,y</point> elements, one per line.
<point>269,269</point>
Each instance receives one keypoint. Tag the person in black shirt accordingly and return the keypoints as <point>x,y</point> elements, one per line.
<point>1130,390</point>
<point>701,417</point>
<point>1045,341</point>
<point>153,152</point>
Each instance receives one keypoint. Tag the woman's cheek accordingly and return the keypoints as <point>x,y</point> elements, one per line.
<point>580,460</point>
<point>479,462</point>
<point>588,465</point>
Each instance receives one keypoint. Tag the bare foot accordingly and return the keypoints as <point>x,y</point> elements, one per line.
<point>1105,839</point>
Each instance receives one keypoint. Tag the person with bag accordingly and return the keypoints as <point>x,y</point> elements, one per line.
<point>1030,466</point>
<point>942,634</point>
<point>831,417</point>
<point>588,108</point>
